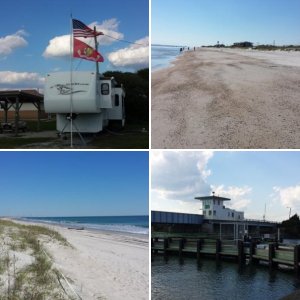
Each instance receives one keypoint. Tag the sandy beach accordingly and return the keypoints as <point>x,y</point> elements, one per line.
<point>224,98</point>
<point>101,264</point>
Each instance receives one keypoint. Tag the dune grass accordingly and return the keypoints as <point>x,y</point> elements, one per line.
<point>37,279</point>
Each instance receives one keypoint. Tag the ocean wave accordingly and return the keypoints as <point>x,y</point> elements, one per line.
<point>129,228</point>
<point>119,227</point>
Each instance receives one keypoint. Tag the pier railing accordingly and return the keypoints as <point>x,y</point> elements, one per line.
<point>272,254</point>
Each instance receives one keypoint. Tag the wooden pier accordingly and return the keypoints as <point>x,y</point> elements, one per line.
<point>272,254</point>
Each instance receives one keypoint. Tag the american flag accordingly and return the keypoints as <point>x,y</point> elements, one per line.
<point>81,30</point>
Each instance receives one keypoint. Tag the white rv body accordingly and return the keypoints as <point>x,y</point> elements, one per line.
<point>90,98</point>
<point>118,111</point>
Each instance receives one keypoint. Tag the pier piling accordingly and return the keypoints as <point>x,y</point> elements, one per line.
<point>274,254</point>
<point>166,245</point>
<point>199,246</point>
<point>241,253</point>
<point>181,246</point>
<point>218,248</point>
<point>297,259</point>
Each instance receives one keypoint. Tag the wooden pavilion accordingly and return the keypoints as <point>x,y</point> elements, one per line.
<point>15,99</point>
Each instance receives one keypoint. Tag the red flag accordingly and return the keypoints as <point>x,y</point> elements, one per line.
<point>84,51</point>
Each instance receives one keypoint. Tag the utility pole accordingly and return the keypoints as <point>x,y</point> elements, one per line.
<point>290,212</point>
<point>96,47</point>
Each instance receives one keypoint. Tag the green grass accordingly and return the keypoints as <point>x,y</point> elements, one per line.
<point>30,232</point>
<point>44,125</point>
<point>18,142</point>
<point>124,140</point>
<point>131,137</point>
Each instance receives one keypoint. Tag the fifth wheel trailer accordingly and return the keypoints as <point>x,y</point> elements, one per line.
<point>91,99</point>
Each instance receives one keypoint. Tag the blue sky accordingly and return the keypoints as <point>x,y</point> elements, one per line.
<point>64,183</point>
<point>28,26</point>
<point>250,178</point>
<point>202,22</point>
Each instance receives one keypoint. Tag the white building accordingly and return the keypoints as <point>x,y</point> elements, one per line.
<point>214,209</point>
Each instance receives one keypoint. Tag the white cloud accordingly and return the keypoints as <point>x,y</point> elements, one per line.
<point>177,177</point>
<point>20,79</point>
<point>238,195</point>
<point>135,56</point>
<point>11,42</point>
<point>289,196</point>
<point>109,28</point>
<point>60,46</point>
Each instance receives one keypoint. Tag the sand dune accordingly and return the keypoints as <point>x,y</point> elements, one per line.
<point>227,99</point>
<point>101,265</point>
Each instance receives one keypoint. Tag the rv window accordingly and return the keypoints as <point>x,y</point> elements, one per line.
<point>117,101</point>
<point>105,89</point>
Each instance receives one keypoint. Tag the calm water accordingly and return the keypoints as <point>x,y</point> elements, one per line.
<point>130,224</point>
<point>161,56</point>
<point>212,281</point>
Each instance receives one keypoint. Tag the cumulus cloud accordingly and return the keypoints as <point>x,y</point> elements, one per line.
<point>110,28</point>
<point>135,56</point>
<point>238,195</point>
<point>11,42</point>
<point>288,196</point>
<point>177,177</point>
<point>11,79</point>
<point>60,46</point>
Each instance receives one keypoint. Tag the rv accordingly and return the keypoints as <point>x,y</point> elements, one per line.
<point>84,102</point>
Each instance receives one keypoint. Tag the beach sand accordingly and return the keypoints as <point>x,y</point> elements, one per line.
<point>102,264</point>
<point>224,98</point>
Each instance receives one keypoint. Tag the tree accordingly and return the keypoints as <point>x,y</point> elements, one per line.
<point>291,227</point>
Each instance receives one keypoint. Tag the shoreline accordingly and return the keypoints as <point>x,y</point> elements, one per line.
<point>162,63</point>
<point>79,225</point>
<point>227,99</point>
<point>105,265</point>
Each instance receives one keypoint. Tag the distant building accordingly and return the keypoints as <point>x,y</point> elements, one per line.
<point>215,219</point>
<point>214,209</point>
<point>243,45</point>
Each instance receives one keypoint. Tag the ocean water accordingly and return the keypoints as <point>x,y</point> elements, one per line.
<point>210,280</point>
<point>162,56</point>
<point>129,224</point>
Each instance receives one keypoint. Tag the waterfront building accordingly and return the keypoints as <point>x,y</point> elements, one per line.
<point>214,209</point>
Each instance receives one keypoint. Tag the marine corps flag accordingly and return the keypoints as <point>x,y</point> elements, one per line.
<point>84,51</point>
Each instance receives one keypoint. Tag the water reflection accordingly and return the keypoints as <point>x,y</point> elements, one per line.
<point>185,279</point>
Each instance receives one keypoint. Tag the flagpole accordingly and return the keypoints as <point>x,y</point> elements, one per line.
<point>71,80</point>
<point>96,47</point>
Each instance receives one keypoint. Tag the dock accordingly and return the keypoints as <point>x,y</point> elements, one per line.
<point>271,254</point>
